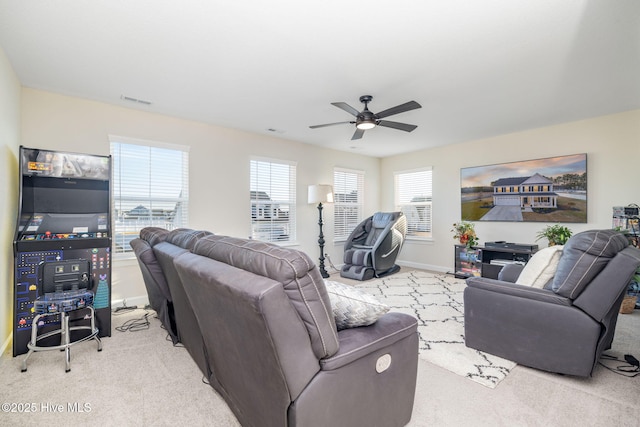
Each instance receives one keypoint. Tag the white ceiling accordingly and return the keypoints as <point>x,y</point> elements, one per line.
<point>479,68</point>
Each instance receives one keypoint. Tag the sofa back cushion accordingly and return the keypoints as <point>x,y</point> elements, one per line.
<point>178,243</point>
<point>298,275</point>
<point>153,235</point>
<point>185,237</point>
<point>583,257</point>
<point>256,343</point>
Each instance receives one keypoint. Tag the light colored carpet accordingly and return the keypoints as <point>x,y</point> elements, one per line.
<point>436,300</point>
<point>138,379</point>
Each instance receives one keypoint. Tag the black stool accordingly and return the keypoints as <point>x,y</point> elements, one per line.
<point>63,290</point>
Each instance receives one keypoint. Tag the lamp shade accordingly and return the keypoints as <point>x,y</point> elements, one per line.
<point>320,193</point>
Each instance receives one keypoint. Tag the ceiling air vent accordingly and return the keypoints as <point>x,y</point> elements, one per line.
<point>136,100</point>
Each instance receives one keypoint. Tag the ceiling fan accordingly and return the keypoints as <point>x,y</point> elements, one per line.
<point>368,120</point>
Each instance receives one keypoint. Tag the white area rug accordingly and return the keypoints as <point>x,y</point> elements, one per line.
<point>436,301</point>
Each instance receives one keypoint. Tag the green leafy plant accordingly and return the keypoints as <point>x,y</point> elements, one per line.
<point>465,233</point>
<point>556,234</point>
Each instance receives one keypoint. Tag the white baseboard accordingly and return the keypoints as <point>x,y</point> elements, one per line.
<point>436,268</point>
<point>5,344</point>
<point>139,301</point>
<point>420,266</point>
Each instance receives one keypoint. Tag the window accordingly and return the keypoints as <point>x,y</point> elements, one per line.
<point>273,200</point>
<point>348,198</point>
<point>413,194</point>
<point>150,188</point>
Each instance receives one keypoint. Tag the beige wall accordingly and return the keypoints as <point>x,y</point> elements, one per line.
<point>612,144</point>
<point>219,167</point>
<point>9,142</point>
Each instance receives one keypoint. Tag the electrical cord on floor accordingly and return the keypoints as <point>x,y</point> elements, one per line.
<point>331,263</point>
<point>630,370</point>
<point>134,325</point>
<point>124,307</point>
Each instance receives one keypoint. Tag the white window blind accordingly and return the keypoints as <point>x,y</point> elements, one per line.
<point>150,189</point>
<point>273,200</point>
<point>413,196</point>
<point>348,197</point>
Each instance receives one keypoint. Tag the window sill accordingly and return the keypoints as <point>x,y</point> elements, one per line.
<point>287,244</point>
<point>419,240</point>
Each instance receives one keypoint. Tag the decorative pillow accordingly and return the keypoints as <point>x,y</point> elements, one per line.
<point>353,307</point>
<point>541,267</point>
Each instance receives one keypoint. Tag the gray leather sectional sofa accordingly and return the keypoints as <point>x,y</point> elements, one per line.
<point>257,319</point>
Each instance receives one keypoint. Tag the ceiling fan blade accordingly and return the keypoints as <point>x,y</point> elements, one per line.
<point>407,106</point>
<point>395,125</point>
<point>346,107</point>
<point>358,134</point>
<point>328,124</point>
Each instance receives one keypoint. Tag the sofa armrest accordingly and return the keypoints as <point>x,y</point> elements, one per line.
<point>356,343</point>
<point>371,381</point>
<point>515,290</point>
<point>510,272</point>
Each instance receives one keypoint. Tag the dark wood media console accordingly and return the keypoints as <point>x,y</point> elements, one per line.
<point>488,260</point>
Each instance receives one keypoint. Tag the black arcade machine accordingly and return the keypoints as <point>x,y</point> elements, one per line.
<point>64,214</point>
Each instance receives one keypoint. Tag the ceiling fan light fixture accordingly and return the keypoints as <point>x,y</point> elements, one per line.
<point>366,120</point>
<point>366,124</point>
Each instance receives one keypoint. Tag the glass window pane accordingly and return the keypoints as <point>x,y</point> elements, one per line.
<point>150,188</point>
<point>273,201</point>
<point>348,197</point>
<point>413,194</point>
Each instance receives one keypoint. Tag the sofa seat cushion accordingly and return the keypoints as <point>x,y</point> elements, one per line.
<point>296,272</point>
<point>541,267</point>
<point>353,307</point>
<point>584,256</point>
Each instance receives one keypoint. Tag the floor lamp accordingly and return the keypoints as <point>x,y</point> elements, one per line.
<point>320,194</point>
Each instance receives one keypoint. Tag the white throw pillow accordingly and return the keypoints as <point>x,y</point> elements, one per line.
<point>353,307</point>
<point>541,267</point>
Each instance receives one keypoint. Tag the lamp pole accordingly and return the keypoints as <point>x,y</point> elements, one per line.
<point>323,272</point>
<point>319,193</point>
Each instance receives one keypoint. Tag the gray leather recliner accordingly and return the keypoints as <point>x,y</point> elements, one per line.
<point>273,348</point>
<point>154,280</point>
<point>155,250</point>
<point>565,327</point>
<point>373,246</point>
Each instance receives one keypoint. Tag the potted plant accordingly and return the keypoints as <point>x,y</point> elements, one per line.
<point>465,233</point>
<point>556,234</point>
